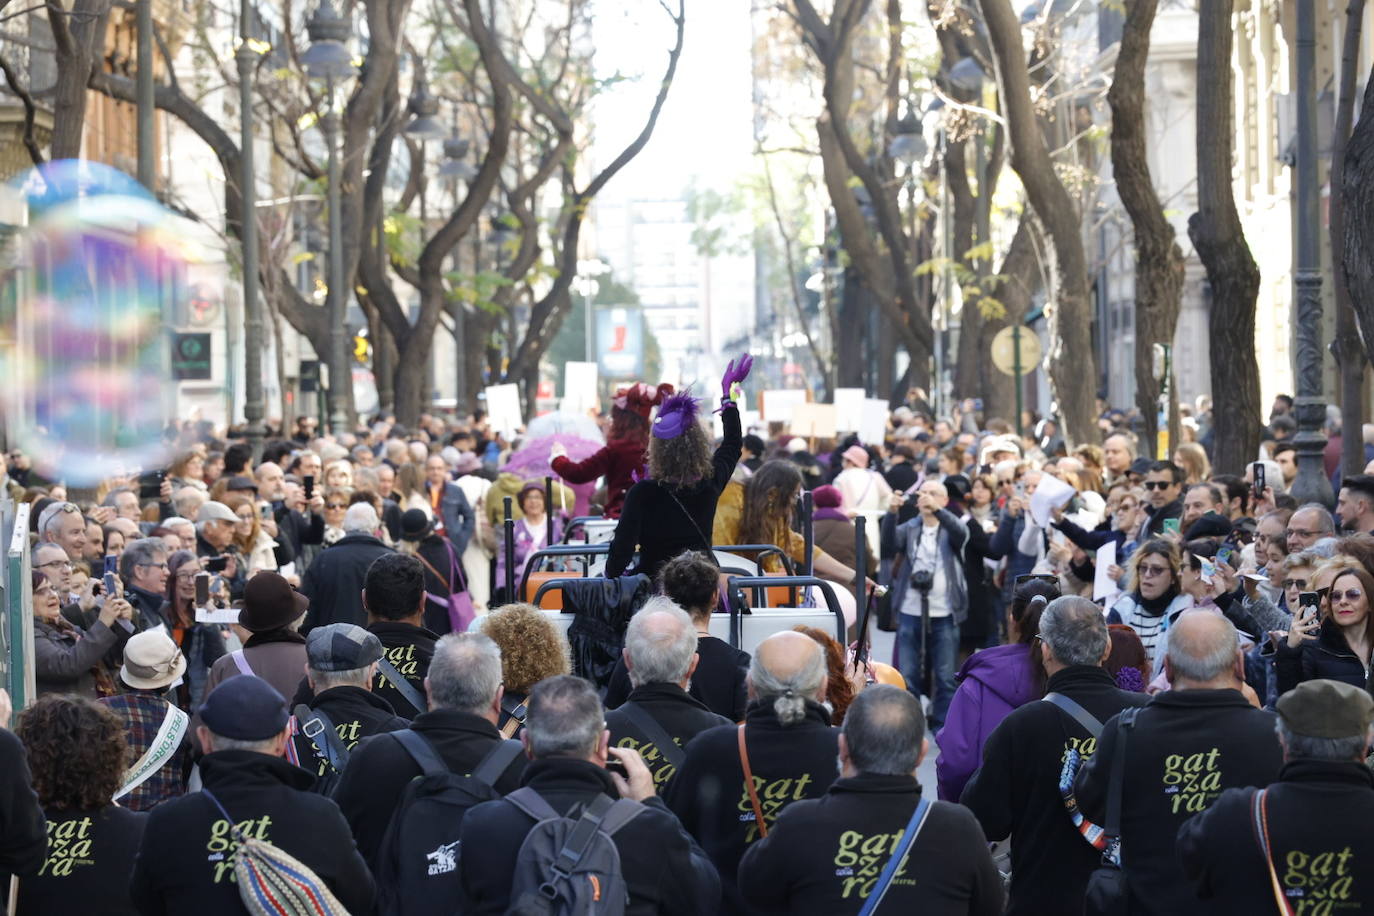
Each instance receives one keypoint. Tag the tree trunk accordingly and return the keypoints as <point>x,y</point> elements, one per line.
<point>78,41</point>
<point>1158,259</point>
<point>1349,354</point>
<point>1071,356</point>
<point>1217,235</point>
<point>1020,281</point>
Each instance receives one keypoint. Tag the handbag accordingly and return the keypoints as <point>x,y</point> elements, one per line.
<point>1259,821</point>
<point>913,827</point>
<point>1108,893</point>
<point>459,603</point>
<point>749,784</point>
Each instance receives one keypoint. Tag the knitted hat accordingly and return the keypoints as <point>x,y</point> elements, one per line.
<point>826,497</point>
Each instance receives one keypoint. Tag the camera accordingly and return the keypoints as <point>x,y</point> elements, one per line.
<point>922,580</point>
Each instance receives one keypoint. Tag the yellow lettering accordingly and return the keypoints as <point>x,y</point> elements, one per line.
<point>846,856</point>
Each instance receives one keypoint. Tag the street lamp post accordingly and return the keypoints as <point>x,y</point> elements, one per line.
<point>248,238</point>
<point>456,169</point>
<point>328,59</point>
<point>1311,484</point>
<point>143,91</point>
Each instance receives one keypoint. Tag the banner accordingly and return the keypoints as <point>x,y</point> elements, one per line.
<point>620,341</point>
<point>503,408</point>
<point>849,409</point>
<point>579,387</point>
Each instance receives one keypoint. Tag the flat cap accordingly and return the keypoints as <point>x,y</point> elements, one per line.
<point>1325,708</point>
<point>341,647</point>
<point>245,708</point>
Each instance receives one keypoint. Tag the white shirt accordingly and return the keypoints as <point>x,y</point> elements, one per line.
<point>928,557</point>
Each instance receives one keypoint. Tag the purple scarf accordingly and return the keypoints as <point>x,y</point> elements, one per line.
<point>827,513</point>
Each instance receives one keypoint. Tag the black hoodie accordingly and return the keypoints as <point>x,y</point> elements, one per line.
<point>90,855</point>
<point>789,763</point>
<point>1016,791</point>
<point>185,863</point>
<point>356,714</point>
<point>680,716</point>
<point>410,649</point>
<point>1319,814</point>
<point>1186,748</point>
<point>823,857</point>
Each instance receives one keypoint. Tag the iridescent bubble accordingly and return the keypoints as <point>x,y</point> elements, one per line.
<point>87,278</point>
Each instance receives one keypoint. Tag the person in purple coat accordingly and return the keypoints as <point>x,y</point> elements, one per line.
<point>992,683</point>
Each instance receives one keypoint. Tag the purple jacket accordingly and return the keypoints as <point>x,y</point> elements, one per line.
<point>992,683</point>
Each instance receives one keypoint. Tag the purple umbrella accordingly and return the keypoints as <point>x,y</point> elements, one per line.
<point>532,463</point>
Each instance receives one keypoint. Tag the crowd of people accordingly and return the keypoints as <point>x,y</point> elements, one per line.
<point>317,660</point>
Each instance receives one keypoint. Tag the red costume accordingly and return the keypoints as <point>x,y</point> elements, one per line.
<point>620,457</point>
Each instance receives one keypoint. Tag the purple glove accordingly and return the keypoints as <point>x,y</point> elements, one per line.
<point>736,372</point>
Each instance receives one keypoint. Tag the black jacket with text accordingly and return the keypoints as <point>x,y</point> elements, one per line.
<point>1186,748</point>
<point>680,716</point>
<point>823,857</point>
<point>1016,791</point>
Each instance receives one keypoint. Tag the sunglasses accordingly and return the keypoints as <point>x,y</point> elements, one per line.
<point>1351,594</point>
<point>1299,584</point>
<point>335,506</point>
<point>1153,570</point>
<point>1157,484</point>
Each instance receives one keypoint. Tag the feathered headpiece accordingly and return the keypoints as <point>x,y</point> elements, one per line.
<point>640,398</point>
<point>677,413</point>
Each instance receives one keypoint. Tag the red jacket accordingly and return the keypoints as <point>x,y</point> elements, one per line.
<point>616,461</point>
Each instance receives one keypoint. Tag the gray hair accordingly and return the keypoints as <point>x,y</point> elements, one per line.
<point>465,672</point>
<point>140,553</point>
<point>564,719</point>
<point>660,653</point>
<point>1075,630</point>
<point>1205,656</point>
<point>1339,750</point>
<point>188,500</point>
<point>112,497</point>
<point>328,680</point>
<point>883,729</point>
<point>789,694</point>
<point>360,518</point>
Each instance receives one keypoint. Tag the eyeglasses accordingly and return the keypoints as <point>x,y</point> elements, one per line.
<point>187,576</point>
<point>1158,484</point>
<point>1351,594</point>
<point>1301,533</point>
<point>61,564</point>
<point>1153,570</point>
<point>162,565</point>
<point>1299,584</point>
<point>335,506</point>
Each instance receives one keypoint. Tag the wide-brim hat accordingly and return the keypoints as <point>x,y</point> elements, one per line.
<point>415,525</point>
<point>152,661</point>
<point>270,603</point>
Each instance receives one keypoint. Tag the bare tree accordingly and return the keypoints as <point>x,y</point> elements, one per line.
<point>1158,259</point>
<point>1071,356</point>
<point>1219,238</point>
<point>79,40</point>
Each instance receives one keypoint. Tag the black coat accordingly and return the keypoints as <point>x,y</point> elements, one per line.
<point>380,768</point>
<point>356,714</point>
<point>410,649</point>
<point>823,857</point>
<point>90,856</point>
<point>653,520</point>
<point>1016,791</point>
<point>901,477</point>
<point>664,870</point>
<point>1187,747</point>
<point>680,716</point>
<point>718,682</point>
<point>1319,814</point>
<point>23,830</point>
<point>1327,656</point>
<point>185,863</point>
<point>298,528</point>
<point>147,608</point>
<point>709,795</point>
<point>334,581</point>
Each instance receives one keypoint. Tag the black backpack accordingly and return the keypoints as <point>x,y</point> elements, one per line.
<point>417,863</point>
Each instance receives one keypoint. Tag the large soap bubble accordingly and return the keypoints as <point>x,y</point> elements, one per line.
<point>88,279</point>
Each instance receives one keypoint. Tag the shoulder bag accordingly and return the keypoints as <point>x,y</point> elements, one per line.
<point>1259,821</point>
<point>749,784</point>
<point>654,733</point>
<point>913,827</point>
<point>1108,893</point>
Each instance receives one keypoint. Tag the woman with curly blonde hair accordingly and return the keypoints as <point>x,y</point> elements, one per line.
<point>675,509</point>
<point>532,649</point>
<point>77,753</point>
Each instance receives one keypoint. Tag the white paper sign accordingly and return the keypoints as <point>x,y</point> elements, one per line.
<point>217,615</point>
<point>873,425</point>
<point>849,409</point>
<point>579,387</point>
<point>813,421</point>
<point>1050,494</point>
<point>777,403</point>
<point>1104,586</point>
<point>503,408</point>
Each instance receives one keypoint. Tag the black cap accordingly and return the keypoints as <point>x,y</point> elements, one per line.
<point>244,708</point>
<point>1141,466</point>
<point>415,525</point>
<point>341,647</point>
<point>1209,525</point>
<point>240,483</point>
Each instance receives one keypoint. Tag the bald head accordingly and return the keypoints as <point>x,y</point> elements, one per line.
<point>788,668</point>
<point>1203,652</point>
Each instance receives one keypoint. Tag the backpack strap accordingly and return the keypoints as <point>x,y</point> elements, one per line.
<point>403,686</point>
<point>749,783</point>
<point>655,733</point>
<point>532,804</point>
<point>421,751</point>
<point>1124,722</point>
<point>913,827</point>
<point>577,842</point>
<point>241,662</point>
<point>496,761</point>
<point>1080,715</point>
<point>319,728</point>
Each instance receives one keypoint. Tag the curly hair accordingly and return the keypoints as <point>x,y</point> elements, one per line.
<point>768,498</point>
<point>532,648</point>
<point>628,425</point>
<point>691,579</point>
<point>838,689</point>
<point>77,751</point>
<point>682,460</point>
